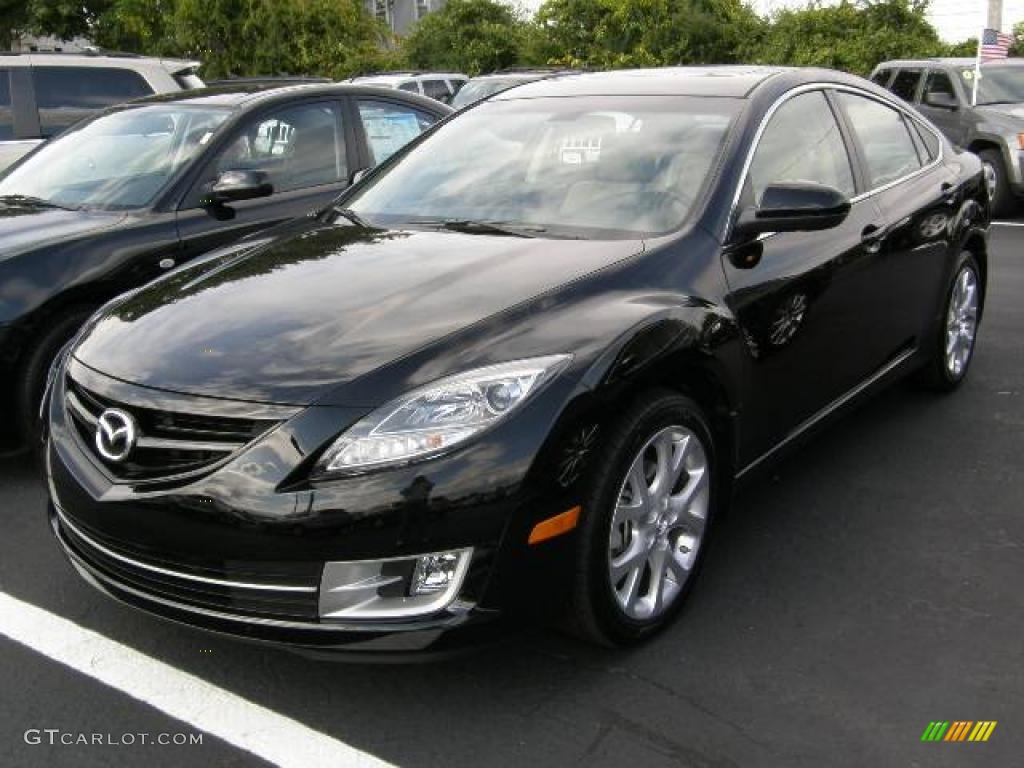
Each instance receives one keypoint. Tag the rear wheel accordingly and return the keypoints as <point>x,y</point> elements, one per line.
<point>954,347</point>
<point>645,523</point>
<point>997,183</point>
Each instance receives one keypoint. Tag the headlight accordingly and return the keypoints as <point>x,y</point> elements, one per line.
<point>440,416</point>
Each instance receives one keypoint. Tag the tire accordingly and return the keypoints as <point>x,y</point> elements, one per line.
<point>941,372</point>
<point>599,608</point>
<point>1002,200</point>
<point>32,379</point>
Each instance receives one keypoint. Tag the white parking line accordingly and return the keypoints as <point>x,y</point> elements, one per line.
<point>266,734</point>
<point>1008,223</point>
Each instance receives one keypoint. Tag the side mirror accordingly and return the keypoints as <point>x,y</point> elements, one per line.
<point>359,175</point>
<point>941,100</point>
<point>231,186</point>
<point>794,207</point>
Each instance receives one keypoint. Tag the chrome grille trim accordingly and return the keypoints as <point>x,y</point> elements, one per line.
<point>80,410</point>
<point>186,445</point>
<point>178,436</point>
<point>170,572</point>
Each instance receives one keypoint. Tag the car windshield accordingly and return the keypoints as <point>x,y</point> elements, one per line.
<point>1001,85</point>
<point>483,87</point>
<point>117,161</point>
<point>588,167</point>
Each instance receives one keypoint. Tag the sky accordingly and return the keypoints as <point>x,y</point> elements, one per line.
<point>955,20</point>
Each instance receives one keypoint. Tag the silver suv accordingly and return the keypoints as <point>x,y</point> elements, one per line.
<point>441,86</point>
<point>43,93</point>
<point>993,129</point>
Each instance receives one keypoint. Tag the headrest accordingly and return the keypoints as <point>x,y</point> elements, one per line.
<point>625,158</point>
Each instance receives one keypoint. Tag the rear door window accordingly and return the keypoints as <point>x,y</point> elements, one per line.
<point>929,139</point>
<point>881,77</point>
<point>939,82</point>
<point>884,135</point>
<point>65,95</point>
<point>905,83</point>
<point>436,89</point>
<point>389,126</point>
<point>6,110</point>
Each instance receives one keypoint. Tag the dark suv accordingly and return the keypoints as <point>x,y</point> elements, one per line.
<point>992,127</point>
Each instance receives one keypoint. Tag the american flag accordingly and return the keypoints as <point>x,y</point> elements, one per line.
<point>995,45</point>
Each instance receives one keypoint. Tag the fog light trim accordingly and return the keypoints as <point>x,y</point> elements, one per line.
<point>387,588</point>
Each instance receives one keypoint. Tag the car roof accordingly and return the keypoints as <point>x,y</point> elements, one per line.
<point>728,81</point>
<point>87,59</point>
<point>522,74</point>
<point>242,95</point>
<point>961,62</point>
<point>400,77</point>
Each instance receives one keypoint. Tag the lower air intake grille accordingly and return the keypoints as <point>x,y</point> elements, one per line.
<point>218,588</point>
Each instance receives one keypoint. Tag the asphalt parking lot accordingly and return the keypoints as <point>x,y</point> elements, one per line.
<point>871,585</point>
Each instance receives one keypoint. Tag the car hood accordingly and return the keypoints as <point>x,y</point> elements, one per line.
<point>1003,111</point>
<point>25,227</point>
<point>320,306</point>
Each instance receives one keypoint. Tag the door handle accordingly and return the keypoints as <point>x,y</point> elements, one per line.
<point>871,238</point>
<point>947,191</point>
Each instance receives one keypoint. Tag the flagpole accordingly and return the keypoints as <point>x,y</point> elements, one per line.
<point>977,70</point>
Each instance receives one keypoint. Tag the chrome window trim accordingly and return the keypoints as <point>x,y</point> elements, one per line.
<point>824,86</point>
<point>175,574</point>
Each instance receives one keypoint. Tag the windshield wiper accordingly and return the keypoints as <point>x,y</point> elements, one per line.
<point>998,101</point>
<point>352,216</point>
<point>472,226</point>
<point>30,200</point>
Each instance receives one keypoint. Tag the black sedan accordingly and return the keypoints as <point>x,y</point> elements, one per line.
<point>520,368</point>
<point>121,198</point>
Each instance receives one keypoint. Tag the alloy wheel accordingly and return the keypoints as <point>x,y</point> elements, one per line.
<point>659,523</point>
<point>991,180</point>
<point>961,322</point>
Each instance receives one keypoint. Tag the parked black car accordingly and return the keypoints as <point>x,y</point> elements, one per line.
<point>521,365</point>
<point>125,196</point>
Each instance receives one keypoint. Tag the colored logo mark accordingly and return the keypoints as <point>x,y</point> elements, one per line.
<point>959,730</point>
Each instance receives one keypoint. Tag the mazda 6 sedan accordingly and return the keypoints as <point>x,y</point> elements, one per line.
<point>518,369</point>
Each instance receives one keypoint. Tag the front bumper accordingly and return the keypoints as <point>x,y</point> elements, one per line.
<point>461,625</point>
<point>190,548</point>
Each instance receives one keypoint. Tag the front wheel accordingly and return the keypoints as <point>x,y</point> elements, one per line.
<point>997,182</point>
<point>35,369</point>
<point>645,523</point>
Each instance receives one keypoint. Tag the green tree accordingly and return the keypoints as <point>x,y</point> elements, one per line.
<point>334,38</point>
<point>620,33</point>
<point>852,36</point>
<point>966,49</point>
<point>470,36</point>
<point>140,26</point>
<point>1018,36</point>
<point>64,19</point>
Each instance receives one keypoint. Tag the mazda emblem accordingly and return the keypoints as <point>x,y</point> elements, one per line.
<point>115,434</point>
